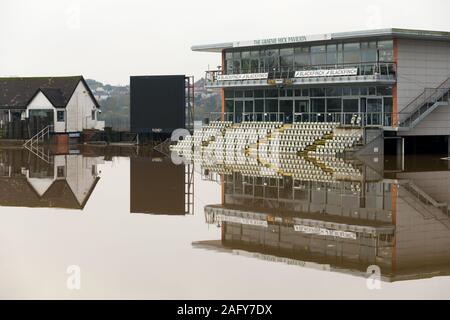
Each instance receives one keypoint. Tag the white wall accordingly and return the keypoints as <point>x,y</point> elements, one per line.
<point>421,64</point>
<point>437,123</point>
<point>79,174</point>
<point>79,110</point>
<point>40,102</point>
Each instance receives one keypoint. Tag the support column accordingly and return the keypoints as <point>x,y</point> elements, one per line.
<point>448,151</point>
<point>448,143</point>
<point>401,153</point>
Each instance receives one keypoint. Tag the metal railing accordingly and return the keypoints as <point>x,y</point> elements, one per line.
<point>39,137</point>
<point>356,119</point>
<point>423,102</point>
<point>248,117</point>
<point>384,69</point>
<point>32,144</point>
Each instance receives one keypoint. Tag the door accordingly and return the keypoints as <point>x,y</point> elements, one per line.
<point>350,109</point>
<point>39,119</point>
<point>287,109</point>
<point>301,110</point>
<point>374,111</point>
<point>249,113</point>
<point>238,110</point>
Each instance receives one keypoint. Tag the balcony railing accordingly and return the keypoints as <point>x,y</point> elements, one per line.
<point>356,119</point>
<point>377,70</point>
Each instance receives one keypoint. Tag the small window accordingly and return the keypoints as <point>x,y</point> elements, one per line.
<point>61,171</point>
<point>93,113</point>
<point>60,116</point>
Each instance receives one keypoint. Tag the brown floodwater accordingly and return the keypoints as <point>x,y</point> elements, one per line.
<point>127,223</point>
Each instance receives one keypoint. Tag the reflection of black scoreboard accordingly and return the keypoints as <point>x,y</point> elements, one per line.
<point>157,186</point>
<point>157,103</point>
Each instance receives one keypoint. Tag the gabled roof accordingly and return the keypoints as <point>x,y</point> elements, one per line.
<point>55,96</point>
<point>18,92</point>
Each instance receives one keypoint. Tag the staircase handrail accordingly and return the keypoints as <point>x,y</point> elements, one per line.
<point>37,136</point>
<point>423,98</point>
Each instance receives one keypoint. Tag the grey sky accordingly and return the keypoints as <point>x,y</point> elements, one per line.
<point>109,40</point>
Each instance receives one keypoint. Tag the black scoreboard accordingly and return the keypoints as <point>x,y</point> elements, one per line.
<point>157,103</point>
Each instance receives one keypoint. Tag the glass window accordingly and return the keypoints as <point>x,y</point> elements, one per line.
<point>271,105</point>
<point>285,92</point>
<point>229,105</point>
<point>228,66</point>
<point>318,105</point>
<point>346,91</point>
<point>239,94</point>
<point>355,91</point>
<point>374,105</point>
<point>384,91</point>
<point>238,109</point>
<point>245,61</point>
<point>93,115</point>
<point>229,94</point>
<point>271,59</point>
<point>259,105</point>
<point>272,93</point>
<point>317,92</point>
<point>332,54</point>
<point>388,105</point>
<point>61,171</point>
<point>236,66</point>
<point>305,92</point>
<point>302,57</point>
<point>318,55</point>
<point>372,91</point>
<point>352,52</point>
<point>249,94</point>
<point>60,116</point>
<point>228,55</point>
<point>259,93</point>
<point>254,61</point>
<point>248,107</point>
<point>363,91</point>
<point>334,105</point>
<point>368,52</point>
<point>386,51</point>
<point>334,92</point>
<point>286,59</point>
<point>350,105</point>
<point>340,53</point>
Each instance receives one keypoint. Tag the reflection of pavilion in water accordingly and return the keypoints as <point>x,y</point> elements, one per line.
<point>66,181</point>
<point>342,220</point>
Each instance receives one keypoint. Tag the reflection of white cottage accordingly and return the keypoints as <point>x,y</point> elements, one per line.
<point>73,180</point>
<point>67,103</point>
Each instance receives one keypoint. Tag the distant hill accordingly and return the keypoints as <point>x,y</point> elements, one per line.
<point>115,102</point>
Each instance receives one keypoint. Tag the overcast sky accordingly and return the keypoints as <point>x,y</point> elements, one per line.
<point>109,40</point>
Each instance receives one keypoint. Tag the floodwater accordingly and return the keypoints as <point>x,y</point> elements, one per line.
<point>129,224</point>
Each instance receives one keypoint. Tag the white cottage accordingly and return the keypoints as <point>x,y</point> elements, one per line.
<point>67,103</point>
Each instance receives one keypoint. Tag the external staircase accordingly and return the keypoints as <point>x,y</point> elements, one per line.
<point>428,207</point>
<point>33,144</point>
<point>424,104</point>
